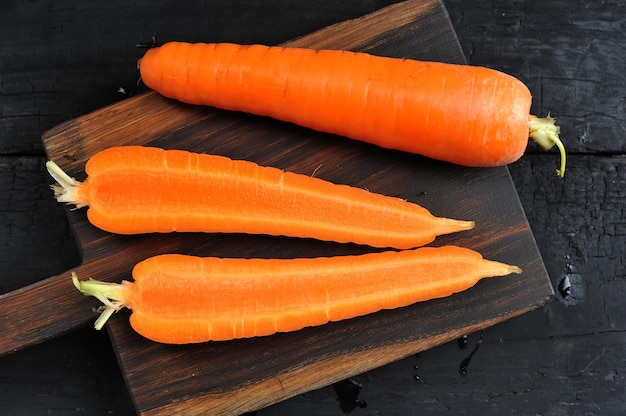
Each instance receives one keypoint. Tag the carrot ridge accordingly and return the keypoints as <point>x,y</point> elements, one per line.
<point>468,115</point>
<point>186,299</point>
<point>136,189</point>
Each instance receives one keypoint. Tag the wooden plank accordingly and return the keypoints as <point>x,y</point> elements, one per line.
<point>249,374</point>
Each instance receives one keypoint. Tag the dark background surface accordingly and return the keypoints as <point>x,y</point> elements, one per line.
<point>62,59</point>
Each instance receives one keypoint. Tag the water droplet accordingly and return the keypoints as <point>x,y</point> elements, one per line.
<point>347,394</point>
<point>564,286</point>
<point>571,287</point>
<point>463,342</point>
<point>466,361</point>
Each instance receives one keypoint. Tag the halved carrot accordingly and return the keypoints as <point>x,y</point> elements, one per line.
<point>181,299</point>
<point>136,189</point>
<point>469,115</point>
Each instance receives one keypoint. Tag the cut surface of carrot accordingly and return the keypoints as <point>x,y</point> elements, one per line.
<point>136,189</point>
<point>468,115</point>
<point>181,299</point>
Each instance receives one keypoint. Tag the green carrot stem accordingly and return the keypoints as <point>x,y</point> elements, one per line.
<point>546,134</point>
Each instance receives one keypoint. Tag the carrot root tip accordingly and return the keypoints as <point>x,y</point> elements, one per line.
<point>112,296</point>
<point>467,225</point>
<point>66,188</point>
<point>515,269</point>
<point>546,133</point>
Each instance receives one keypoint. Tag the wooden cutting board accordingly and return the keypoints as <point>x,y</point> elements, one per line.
<point>238,376</point>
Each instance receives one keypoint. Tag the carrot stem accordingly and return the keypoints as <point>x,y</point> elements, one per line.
<point>112,296</point>
<point>544,132</point>
<point>66,188</point>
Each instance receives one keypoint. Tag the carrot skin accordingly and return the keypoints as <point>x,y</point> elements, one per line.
<point>468,115</point>
<point>136,189</point>
<point>181,299</point>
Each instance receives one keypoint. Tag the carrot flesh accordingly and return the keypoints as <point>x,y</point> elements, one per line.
<point>468,115</point>
<point>180,299</point>
<point>136,189</point>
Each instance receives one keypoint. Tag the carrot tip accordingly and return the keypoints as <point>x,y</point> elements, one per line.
<point>468,225</point>
<point>546,134</point>
<point>502,269</point>
<point>66,190</point>
<point>457,225</point>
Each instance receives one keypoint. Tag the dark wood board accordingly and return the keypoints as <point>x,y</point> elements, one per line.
<point>244,375</point>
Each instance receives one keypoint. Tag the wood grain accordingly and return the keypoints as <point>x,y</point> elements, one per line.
<point>64,60</point>
<point>249,374</point>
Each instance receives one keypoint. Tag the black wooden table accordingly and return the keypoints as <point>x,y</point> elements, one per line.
<point>565,358</point>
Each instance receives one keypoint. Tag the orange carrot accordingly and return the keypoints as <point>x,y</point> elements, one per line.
<point>181,299</point>
<point>468,115</point>
<point>135,189</point>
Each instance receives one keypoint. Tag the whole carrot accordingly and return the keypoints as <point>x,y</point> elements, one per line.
<point>181,299</point>
<point>136,189</point>
<point>468,115</point>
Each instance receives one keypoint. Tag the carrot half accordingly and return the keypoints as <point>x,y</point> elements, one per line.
<point>180,299</point>
<point>136,189</point>
<point>468,115</point>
